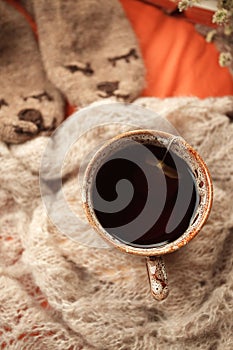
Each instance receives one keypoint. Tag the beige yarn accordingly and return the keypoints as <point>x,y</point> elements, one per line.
<point>29,103</point>
<point>99,299</point>
<point>84,53</point>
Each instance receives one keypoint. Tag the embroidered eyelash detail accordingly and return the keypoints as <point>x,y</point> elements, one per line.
<point>126,57</point>
<point>87,70</point>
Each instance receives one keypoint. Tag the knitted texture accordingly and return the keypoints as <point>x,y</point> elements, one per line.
<point>84,53</point>
<point>29,103</point>
<point>81,48</point>
<point>57,294</point>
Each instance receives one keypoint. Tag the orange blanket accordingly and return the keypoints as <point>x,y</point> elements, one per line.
<point>179,61</point>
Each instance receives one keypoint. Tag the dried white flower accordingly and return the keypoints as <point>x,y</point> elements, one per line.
<point>225,59</point>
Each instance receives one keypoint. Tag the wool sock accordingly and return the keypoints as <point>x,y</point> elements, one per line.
<point>28,6</point>
<point>29,104</point>
<point>89,50</point>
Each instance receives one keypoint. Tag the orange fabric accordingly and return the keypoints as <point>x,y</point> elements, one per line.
<point>179,62</point>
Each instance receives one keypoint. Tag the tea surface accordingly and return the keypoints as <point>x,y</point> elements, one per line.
<point>164,198</point>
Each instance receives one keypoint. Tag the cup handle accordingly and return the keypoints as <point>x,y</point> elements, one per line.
<point>157,277</point>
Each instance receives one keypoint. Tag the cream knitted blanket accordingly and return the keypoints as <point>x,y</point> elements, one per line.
<point>58,294</point>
